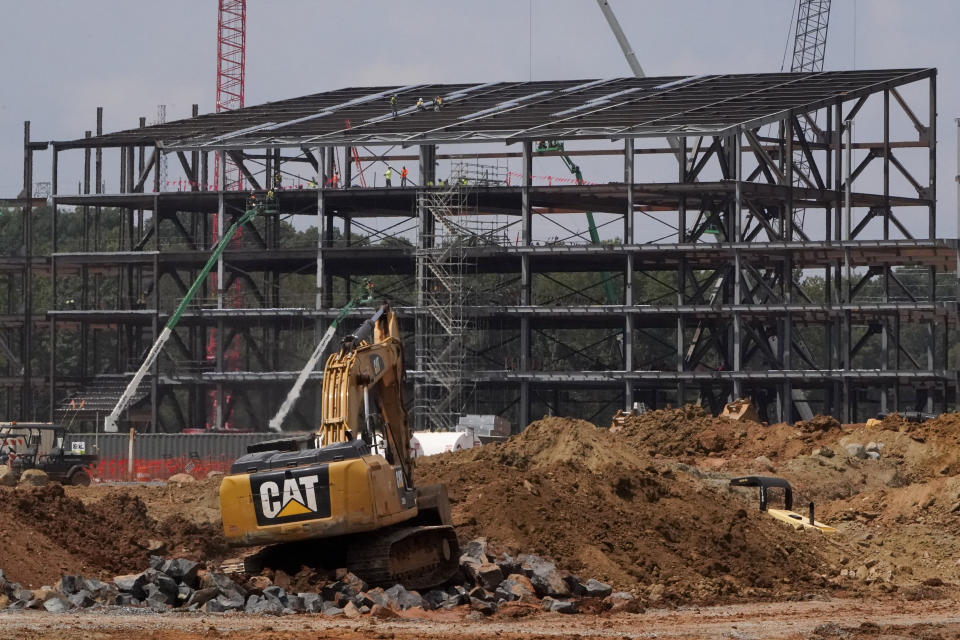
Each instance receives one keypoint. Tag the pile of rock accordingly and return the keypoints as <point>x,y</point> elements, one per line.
<point>72,592</point>
<point>486,585</point>
<point>530,579</point>
<point>870,450</point>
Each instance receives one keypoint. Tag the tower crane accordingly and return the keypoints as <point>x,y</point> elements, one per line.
<point>231,89</point>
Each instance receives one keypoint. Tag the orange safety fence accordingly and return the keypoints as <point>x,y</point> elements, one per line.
<point>146,470</point>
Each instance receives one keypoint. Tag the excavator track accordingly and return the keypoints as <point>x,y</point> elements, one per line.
<point>417,557</point>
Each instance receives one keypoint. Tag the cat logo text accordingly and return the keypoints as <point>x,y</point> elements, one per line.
<point>291,496</point>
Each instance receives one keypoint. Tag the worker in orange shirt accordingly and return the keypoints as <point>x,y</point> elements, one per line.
<point>403,176</point>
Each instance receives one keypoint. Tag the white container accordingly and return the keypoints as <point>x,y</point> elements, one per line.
<point>429,443</point>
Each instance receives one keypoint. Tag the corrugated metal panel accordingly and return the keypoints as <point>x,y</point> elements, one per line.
<point>160,446</point>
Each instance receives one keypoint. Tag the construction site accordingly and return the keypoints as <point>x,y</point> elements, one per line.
<point>451,360</point>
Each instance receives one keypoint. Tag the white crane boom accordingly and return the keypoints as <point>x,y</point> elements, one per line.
<point>634,64</point>
<point>621,39</point>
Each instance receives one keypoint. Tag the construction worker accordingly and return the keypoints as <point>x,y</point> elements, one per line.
<point>393,104</point>
<point>335,180</point>
<point>437,103</point>
<point>420,106</point>
<point>403,176</point>
<point>277,181</point>
<point>388,176</point>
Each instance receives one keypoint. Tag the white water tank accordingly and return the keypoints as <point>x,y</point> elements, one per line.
<point>428,443</point>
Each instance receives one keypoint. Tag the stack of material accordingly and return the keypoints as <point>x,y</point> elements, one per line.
<point>488,428</point>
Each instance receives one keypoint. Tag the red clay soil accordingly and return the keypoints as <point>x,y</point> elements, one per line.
<point>47,533</point>
<point>603,509</point>
<point>668,432</point>
<point>691,432</point>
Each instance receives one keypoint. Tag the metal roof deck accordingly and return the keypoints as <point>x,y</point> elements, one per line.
<point>512,111</point>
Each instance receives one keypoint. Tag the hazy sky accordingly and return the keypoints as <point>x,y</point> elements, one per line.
<point>62,59</point>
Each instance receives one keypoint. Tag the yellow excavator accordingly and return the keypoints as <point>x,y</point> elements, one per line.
<point>348,489</point>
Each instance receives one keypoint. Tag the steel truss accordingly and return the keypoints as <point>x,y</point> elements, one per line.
<point>715,292</point>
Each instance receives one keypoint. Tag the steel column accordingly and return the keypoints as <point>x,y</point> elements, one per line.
<point>26,402</point>
<point>737,266</point>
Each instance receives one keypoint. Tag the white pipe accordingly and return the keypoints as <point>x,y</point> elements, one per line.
<point>277,421</point>
<point>130,455</point>
<point>110,422</point>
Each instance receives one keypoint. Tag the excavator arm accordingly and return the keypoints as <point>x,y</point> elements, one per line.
<point>363,391</point>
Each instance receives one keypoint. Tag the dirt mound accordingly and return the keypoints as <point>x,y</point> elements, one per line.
<point>559,440</point>
<point>197,502</point>
<point>818,423</point>
<point>924,450</point>
<point>100,539</point>
<point>668,431</point>
<point>601,508</point>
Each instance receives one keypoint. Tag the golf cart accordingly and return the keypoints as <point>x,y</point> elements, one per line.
<point>44,446</point>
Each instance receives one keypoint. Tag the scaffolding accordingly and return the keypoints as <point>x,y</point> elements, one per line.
<point>481,175</point>
<point>439,390</point>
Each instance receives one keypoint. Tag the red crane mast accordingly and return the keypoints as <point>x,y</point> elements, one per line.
<point>231,80</point>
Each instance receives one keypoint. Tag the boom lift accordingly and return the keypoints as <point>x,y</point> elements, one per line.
<point>351,484</point>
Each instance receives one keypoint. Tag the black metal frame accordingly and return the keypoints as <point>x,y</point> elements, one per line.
<point>729,314</point>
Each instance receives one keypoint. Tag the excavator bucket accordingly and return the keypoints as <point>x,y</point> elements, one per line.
<point>739,410</point>
<point>621,417</point>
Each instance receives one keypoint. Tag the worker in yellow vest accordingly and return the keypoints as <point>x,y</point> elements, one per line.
<point>388,176</point>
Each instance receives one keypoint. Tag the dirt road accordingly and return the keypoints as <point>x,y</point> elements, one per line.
<point>819,619</point>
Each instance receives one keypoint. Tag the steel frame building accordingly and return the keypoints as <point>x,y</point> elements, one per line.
<point>729,314</point>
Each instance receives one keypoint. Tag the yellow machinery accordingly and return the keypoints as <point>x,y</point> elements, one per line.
<point>740,410</point>
<point>350,487</point>
<point>787,514</point>
<point>621,417</point>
